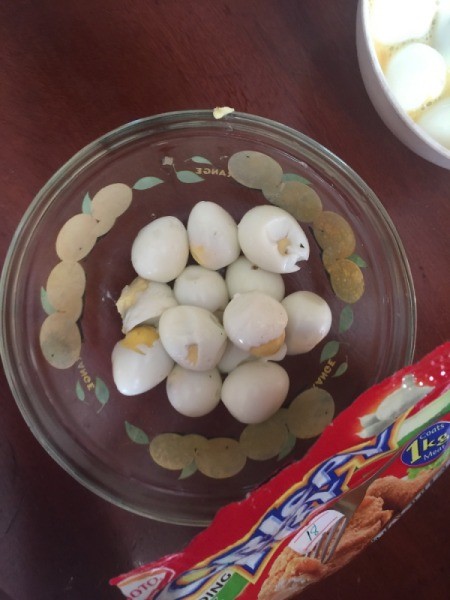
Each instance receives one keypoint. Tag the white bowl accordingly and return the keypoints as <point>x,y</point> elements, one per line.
<point>394,117</point>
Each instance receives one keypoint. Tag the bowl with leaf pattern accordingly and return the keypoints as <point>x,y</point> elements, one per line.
<point>70,259</point>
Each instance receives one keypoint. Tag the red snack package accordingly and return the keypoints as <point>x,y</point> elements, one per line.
<point>256,548</point>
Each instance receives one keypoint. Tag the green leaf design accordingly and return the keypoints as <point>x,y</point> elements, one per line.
<point>189,470</point>
<point>345,319</point>
<point>357,260</point>
<point>86,205</point>
<point>288,446</point>
<point>188,177</point>
<point>294,177</point>
<point>145,183</point>
<point>46,302</point>
<point>329,350</point>
<point>136,435</point>
<point>101,391</point>
<point>341,369</point>
<point>201,160</point>
<point>80,391</point>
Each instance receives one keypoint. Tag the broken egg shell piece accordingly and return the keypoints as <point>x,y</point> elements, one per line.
<point>212,234</point>
<point>192,336</point>
<point>255,169</point>
<point>143,302</point>
<point>160,250</point>
<point>255,322</point>
<point>76,238</point>
<point>199,286</point>
<point>193,393</point>
<point>309,321</point>
<point>244,276</point>
<point>272,239</point>
<point>219,112</point>
<point>140,362</point>
<point>255,390</point>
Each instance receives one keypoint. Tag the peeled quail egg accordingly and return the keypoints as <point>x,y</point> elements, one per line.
<point>232,357</point>
<point>416,74</point>
<point>192,336</point>
<point>256,323</point>
<point>309,321</point>
<point>161,250</point>
<point>395,21</point>
<point>255,390</point>
<point>193,393</point>
<point>212,235</point>
<point>143,302</point>
<point>436,122</point>
<point>244,276</point>
<point>201,287</point>
<point>139,361</point>
<point>272,239</point>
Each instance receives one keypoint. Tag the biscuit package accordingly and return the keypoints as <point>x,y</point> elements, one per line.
<point>260,548</point>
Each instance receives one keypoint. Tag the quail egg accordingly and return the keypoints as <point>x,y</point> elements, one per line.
<point>193,393</point>
<point>255,322</point>
<point>143,302</point>
<point>244,276</point>
<point>199,286</point>
<point>161,250</point>
<point>212,233</point>
<point>309,321</point>
<point>272,239</point>
<point>139,361</point>
<point>255,390</point>
<point>192,336</point>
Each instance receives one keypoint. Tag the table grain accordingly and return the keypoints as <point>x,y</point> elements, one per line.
<point>72,70</point>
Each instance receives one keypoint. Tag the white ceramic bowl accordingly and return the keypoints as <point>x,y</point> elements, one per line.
<point>394,117</point>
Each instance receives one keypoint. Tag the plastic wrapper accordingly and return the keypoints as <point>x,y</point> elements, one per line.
<point>257,548</point>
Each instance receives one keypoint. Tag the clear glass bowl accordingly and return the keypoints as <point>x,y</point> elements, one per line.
<point>172,161</point>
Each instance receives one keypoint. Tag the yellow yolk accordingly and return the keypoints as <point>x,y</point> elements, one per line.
<point>130,293</point>
<point>140,336</point>
<point>283,245</point>
<point>198,254</point>
<point>268,348</point>
<point>192,354</point>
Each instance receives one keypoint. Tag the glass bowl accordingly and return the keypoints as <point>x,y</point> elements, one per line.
<point>170,162</point>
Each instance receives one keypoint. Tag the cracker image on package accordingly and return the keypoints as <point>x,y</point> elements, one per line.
<point>257,548</point>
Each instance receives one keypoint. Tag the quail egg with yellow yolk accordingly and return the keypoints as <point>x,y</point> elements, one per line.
<point>139,361</point>
<point>272,239</point>
<point>192,336</point>
<point>256,323</point>
<point>212,232</point>
<point>143,302</point>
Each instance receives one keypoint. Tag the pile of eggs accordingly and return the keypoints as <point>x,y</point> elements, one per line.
<point>412,42</point>
<point>208,311</point>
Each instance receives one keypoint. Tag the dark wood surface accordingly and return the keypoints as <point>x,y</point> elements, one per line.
<point>75,69</point>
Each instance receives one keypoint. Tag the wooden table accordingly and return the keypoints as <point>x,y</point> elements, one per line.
<point>75,69</point>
